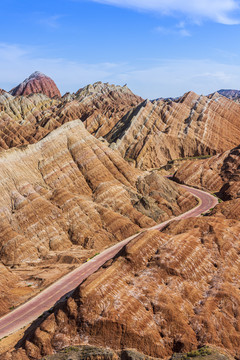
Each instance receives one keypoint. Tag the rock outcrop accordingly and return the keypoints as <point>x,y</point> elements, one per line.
<point>220,174</point>
<point>165,292</point>
<point>36,83</point>
<point>154,132</point>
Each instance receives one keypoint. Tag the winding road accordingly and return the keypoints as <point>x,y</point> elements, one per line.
<point>26,313</point>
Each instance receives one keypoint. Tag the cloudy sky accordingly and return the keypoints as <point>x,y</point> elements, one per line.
<point>160,48</point>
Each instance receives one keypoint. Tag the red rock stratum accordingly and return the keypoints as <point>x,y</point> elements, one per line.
<point>36,83</point>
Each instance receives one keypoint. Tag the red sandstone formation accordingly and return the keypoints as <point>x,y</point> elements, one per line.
<point>36,83</point>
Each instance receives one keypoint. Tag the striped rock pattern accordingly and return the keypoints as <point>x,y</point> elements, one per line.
<point>27,119</point>
<point>71,190</point>
<point>221,173</point>
<point>154,132</point>
<point>166,292</point>
<point>36,83</point>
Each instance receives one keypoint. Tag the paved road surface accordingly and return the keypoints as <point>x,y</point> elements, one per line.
<point>26,313</point>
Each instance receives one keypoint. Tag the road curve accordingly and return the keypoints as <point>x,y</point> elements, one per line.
<point>26,313</point>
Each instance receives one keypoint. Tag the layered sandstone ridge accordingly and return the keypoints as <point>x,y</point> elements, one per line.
<point>165,292</point>
<point>70,190</point>
<point>220,173</point>
<point>147,133</point>
<point>154,132</point>
<point>36,83</point>
<point>27,119</point>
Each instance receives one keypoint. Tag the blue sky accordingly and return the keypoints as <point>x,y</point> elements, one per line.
<point>158,47</point>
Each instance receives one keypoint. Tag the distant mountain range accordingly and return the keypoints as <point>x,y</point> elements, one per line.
<point>230,94</point>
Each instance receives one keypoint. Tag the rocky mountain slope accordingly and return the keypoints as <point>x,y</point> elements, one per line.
<point>36,83</point>
<point>70,190</point>
<point>154,132</point>
<point>220,174</point>
<point>165,292</point>
<point>25,120</point>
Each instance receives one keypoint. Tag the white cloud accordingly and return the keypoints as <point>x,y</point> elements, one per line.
<point>11,52</point>
<point>160,78</point>
<point>173,31</point>
<point>221,11</point>
<point>50,21</point>
<point>171,78</point>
